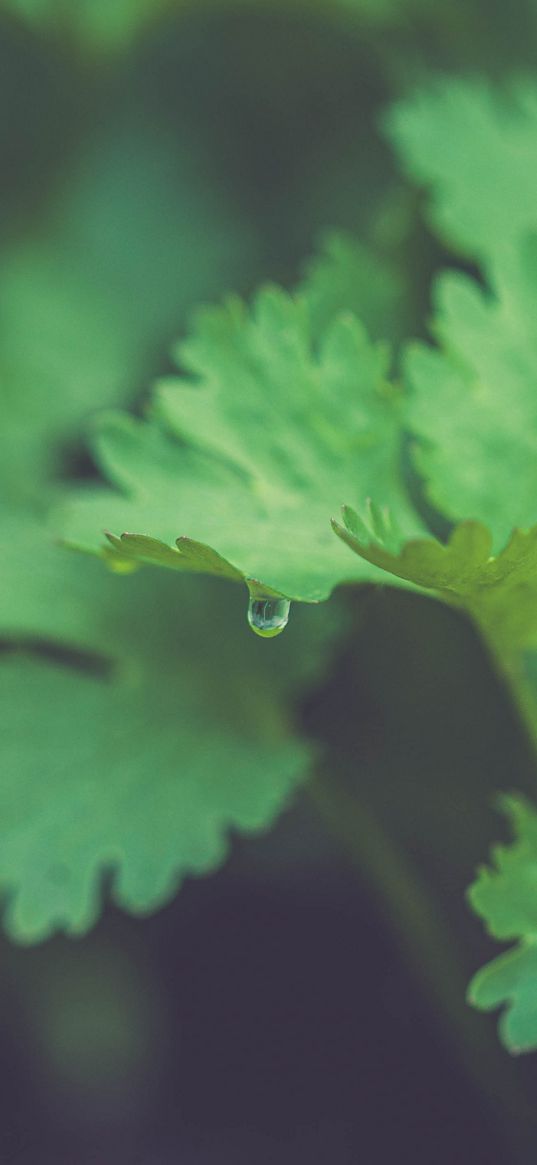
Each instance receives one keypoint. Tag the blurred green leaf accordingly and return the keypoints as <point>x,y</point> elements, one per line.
<point>505,896</point>
<point>348,276</point>
<point>471,402</point>
<point>475,149</point>
<point>96,25</point>
<point>136,235</point>
<point>141,723</point>
<point>472,406</point>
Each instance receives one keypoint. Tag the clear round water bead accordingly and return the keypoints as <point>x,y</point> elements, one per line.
<point>268,617</point>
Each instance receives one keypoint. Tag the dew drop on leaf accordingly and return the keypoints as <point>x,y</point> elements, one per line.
<point>268,617</point>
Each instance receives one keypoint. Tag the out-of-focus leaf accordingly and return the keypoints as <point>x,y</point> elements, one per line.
<point>136,236</point>
<point>475,149</point>
<point>347,276</point>
<point>139,726</point>
<point>471,402</point>
<point>104,26</point>
<point>472,405</point>
<point>505,896</point>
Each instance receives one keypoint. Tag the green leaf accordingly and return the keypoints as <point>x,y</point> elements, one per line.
<point>505,896</point>
<point>498,591</point>
<point>472,412</point>
<point>510,981</point>
<point>472,406</point>
<point>347,276</point>
<point>471,403</point>
<point>141,722</point>
<point>252,449</point>
<point>86,307</point>
<point>475,149</point>
<point>455,568</point>
<point>96,25</point>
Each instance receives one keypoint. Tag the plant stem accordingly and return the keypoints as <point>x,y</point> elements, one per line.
<point>428,949</point>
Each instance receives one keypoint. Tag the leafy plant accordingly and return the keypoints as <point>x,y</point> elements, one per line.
<point>235,472</point>
<point>296,443</point>
<point>263,464</point>
<point>143,668</point>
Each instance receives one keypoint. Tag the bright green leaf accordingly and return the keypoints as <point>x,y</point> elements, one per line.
<point>498,591</point>
<point>505,896</point>
<point>471,402</point>
<point>252,450</point>
<point>347,276</point>
<point>472,405</point>
<point>475,149</point>
<point>510,981</point>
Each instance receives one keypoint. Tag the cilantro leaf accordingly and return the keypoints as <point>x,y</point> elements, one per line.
<point>498,591</point>
<point>505,896</point>
<point>471,402</point>
<point>250,451</point>
<point>475,149</point>
<point>453,569</point>
<point>347,276</point>
<point>158,786</point>
<point>129,742</point>
<point>472,406</point>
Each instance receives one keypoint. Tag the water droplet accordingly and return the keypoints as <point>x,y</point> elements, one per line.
<point>268,617</point>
